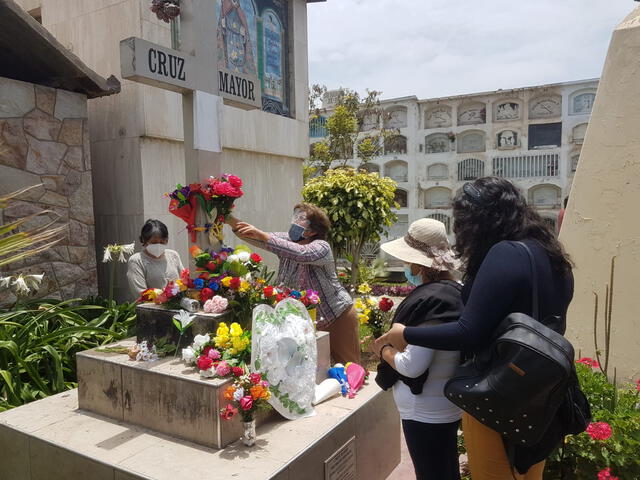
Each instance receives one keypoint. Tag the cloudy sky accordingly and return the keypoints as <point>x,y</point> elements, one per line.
<point>432,48</point>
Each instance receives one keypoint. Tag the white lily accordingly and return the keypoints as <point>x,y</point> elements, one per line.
<point>34,281</point>
<point>107,255</point>
<point>120,251</point>
<point>5,282</point>
<point>21,285</point>
<point>200,340</point>
<point>184,318</point>
<point>125,249</point>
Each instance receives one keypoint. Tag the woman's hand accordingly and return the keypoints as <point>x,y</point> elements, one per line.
<point>395,336</point>
<point>246,230</point>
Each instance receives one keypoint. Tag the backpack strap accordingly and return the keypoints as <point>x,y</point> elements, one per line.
<point>534,280</point>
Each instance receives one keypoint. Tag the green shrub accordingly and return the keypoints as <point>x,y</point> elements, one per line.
<point>39,340</point>
<point>582,456</point>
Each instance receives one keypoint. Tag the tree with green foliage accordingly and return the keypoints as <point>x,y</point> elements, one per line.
<point>345,141</point>
<point>360,206</point>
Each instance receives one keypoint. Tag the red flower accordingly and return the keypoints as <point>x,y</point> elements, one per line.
<point>227,190</point>
<point>184,275</point>
<point>255,258</point>
<point>206,294</point>
<point>237,371</point>
<point>204,362</point>
<point>210,266</point>
<point>190,283</point>
<point>228,412</point>
<point>255,378</point>
<point>246,402</point>
<point>204,275</point>
<point>605,474</point>
<point>268,292</point>
<point>638,384</point>
<point>385,304</point>
<point>234,181</point>
<point>599,430</point>
<point>590,362</point>
<point>235,283</point>
<point>280,297</point>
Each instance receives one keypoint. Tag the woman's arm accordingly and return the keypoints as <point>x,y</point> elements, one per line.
<point>136,277</point>
<point>504,276</point>
<point>411,363</point>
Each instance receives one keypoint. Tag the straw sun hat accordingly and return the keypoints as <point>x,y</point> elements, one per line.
<point>424,244</point>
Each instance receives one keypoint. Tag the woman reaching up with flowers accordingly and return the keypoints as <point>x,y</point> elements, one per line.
<point>306,262</point>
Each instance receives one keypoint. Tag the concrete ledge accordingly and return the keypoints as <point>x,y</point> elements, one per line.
<point>166,395</point>
<point>53,440</point>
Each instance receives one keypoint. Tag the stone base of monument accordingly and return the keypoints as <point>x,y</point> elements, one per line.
<point>166,395</point>
<point>153,323</point>
<point>51,439</point>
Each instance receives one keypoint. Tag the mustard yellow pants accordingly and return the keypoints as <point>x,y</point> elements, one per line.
<point>487,458</point>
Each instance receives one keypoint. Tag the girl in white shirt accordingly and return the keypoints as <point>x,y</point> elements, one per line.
<point>417,374</point>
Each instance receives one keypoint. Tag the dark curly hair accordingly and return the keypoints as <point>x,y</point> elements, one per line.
<point>492,209</point>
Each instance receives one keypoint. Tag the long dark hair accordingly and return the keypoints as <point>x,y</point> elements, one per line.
<point>492,209</point>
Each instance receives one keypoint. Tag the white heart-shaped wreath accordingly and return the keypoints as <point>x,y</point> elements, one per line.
<point>284,350</point>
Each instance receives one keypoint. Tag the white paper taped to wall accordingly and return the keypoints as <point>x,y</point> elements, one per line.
<point>207,121</point>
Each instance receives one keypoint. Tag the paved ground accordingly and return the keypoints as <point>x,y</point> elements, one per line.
<point>404,470</point>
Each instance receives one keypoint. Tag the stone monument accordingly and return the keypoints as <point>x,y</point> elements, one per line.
<point>601,220</point>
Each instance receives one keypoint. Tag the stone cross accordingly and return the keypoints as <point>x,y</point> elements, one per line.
<point>193,71</point>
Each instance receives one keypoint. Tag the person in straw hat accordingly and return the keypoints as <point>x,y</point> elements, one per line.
<point>418,374</point>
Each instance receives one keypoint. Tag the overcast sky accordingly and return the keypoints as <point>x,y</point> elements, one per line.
<point>433,48</point>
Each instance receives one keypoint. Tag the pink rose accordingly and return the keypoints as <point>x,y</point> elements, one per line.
<point>264,383</point>
<point>605,474</point>
<point>246,403</point>
<point>234,181</point>
<point>216,304</point>
<point>223,369</point>
<point>214,354</point>
<point>255,378</point>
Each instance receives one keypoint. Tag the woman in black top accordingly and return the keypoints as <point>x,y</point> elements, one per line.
<point>490,214</point>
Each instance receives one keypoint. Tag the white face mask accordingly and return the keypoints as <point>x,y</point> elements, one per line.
<point>156,249</point>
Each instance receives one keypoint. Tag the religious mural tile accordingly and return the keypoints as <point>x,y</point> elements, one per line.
<point>471,142</point>
<point>438,143</point>
<point>472,114</point>
<point>545,107</point>
<point>505,111</point>
<point>508,139</point>
<point>582,103</point>
<point>253,41</point>
<point>438,117</point>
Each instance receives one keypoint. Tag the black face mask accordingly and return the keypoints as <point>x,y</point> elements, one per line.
<point>296,232</point>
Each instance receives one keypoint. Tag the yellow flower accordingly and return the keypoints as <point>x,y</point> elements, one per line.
<point>181,285</point>
<point>244,286</point>
<point>238,344</point>
<point>221,341</point>
<point>371,301</point>
<point>364,288</point>
<point>363,318</point>
<point>261,281</point>
<point>226,281</point>
<point>236,329</point>
<point>222,329</point>
<point>359,304</point>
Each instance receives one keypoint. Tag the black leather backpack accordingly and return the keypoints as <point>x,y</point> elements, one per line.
<point>518,383</point>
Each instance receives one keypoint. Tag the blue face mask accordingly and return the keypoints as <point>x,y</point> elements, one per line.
<point>296,232</point>
<point>415,280</point>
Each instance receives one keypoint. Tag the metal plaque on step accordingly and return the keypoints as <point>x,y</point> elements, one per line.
<point>342,464</point>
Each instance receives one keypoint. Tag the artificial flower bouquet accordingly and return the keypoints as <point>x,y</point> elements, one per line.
<point>215,196</point>
<point>248,393</point>
<point>373,312</point>
<point>227,353</point>
<point>309,298</point>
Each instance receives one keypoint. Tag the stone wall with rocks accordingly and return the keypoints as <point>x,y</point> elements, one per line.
<point>44,140</point>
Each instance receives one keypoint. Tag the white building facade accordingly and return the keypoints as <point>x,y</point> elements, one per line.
<point>532,136</point>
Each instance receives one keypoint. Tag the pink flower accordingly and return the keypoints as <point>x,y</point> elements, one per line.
<point>590,362</point>
<point>638,385</point>
<point>227,190</point>
<point>255,378</point>
<point>264,384</point>
<point>246,402</point>
<point>223,369</point>
<point>234,181</point>
<point>228,412</point>
<point>599,430</point>
<point>605,474</point>
<point>214,354</point>
<point>216,304</point>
